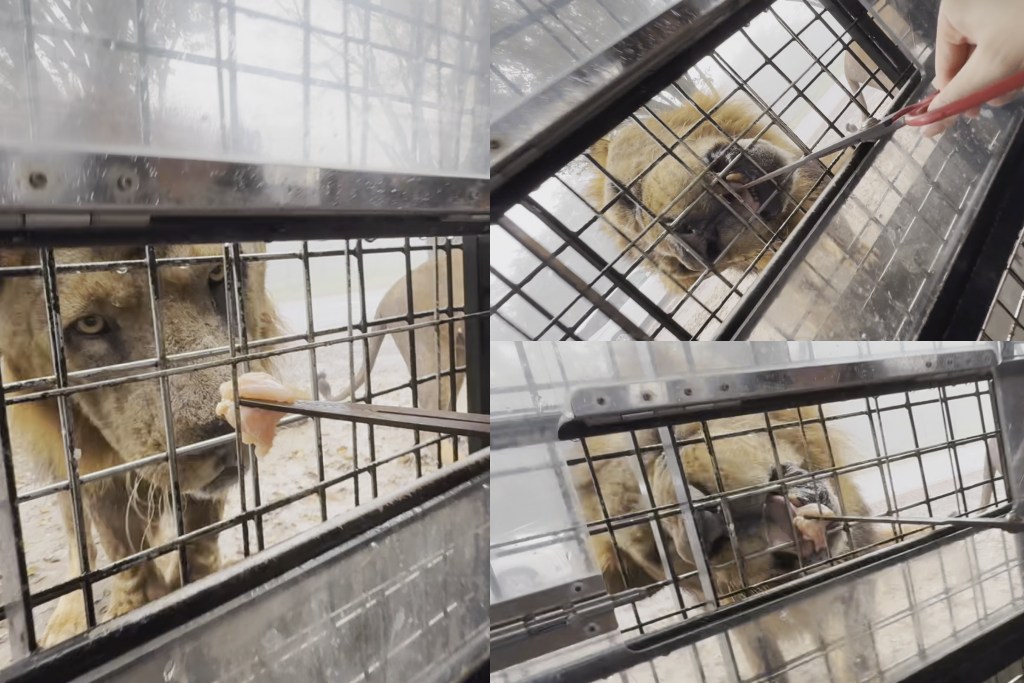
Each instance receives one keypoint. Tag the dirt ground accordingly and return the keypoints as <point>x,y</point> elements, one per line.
<point>291,466</point>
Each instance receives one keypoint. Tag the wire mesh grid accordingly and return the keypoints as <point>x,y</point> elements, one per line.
<point>1004,321</point>
<point>112,364</point>
<point>876,271</point>
<point>355,84</point>
<point>923,608</point>
<point>928,453</point>
<point>643,235</point>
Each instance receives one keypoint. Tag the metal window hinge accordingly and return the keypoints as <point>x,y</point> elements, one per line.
<point>581,614</point>
<point>657,402</point>
<point>72,219</point>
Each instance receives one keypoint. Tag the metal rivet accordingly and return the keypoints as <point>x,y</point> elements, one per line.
<point>725,387</point>
<point>495,144</point>
<point>646,396</point>
<point>37,179</point>
<point>688,391</point>
<point>928,364</point>
<point>125,183</point>
<point>600,400</point>
<point>590,629</point>
<point>577,588</point>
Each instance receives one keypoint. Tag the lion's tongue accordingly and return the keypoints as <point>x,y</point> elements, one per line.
<point>746,196</point>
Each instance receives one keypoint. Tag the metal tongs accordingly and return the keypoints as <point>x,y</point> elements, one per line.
<point>441,421</point>
<point>893,122</point>
<point>1011,524</point>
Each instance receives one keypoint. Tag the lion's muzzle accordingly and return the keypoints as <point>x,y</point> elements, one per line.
<point>726,210</point>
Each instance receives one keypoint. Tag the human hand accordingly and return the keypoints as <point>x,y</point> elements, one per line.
<point>977,43</point>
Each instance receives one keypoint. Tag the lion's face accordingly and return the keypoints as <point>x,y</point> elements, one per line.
<point>107,320</point>
<point>703,219</point>
<point>750,538</point>
<point>692,212</point>
<point>751,559</point>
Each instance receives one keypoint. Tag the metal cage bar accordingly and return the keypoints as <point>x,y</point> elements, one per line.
<point>17,607</point>
<point>56,329</point>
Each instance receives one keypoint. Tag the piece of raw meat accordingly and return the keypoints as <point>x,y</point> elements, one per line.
<point>813,530</point>
<point>812,533</point>
<point>258,426</point>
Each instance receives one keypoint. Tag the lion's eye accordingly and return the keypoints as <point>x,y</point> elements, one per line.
<point>217,293</point>
<point>91,325</point>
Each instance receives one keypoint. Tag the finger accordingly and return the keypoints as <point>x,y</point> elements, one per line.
<point>952,50</point>
<point>936,128</point>
<point>981,69</point>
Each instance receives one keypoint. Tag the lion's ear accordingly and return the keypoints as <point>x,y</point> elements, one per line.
<point>599,151</point>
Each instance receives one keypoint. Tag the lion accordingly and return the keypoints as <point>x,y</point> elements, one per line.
<point>433,344</point>
<point>106,319</point>
<point>702,221</point>
<point>749,541</point>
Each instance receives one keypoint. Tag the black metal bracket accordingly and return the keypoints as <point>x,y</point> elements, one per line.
<point>476,252</point>
<point>199,229</point>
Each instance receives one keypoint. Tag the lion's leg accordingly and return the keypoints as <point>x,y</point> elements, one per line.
<point>427,395</point>
<point>124,532</point>
<point>846,621</point>
<point>758,640</point>
<point>204,553</point>
<point>68,618</point>
<point>438,393</point>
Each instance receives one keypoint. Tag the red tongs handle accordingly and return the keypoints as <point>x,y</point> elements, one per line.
<point>923,117</point>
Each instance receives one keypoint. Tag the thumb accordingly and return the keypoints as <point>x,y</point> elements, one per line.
<point>981,69</point>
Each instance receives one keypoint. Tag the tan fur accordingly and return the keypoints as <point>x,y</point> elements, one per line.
<point>630,149</point>
<point>429,292</point>
<point>125,423</point>
<point>743,461</point>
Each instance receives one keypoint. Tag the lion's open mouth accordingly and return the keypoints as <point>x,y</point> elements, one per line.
<point>226,477</point>
<point>737,194</point>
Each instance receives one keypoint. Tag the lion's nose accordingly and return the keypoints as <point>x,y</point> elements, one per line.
<point>711,528</point>
<point>211,430</point>
<point>741,165</point>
